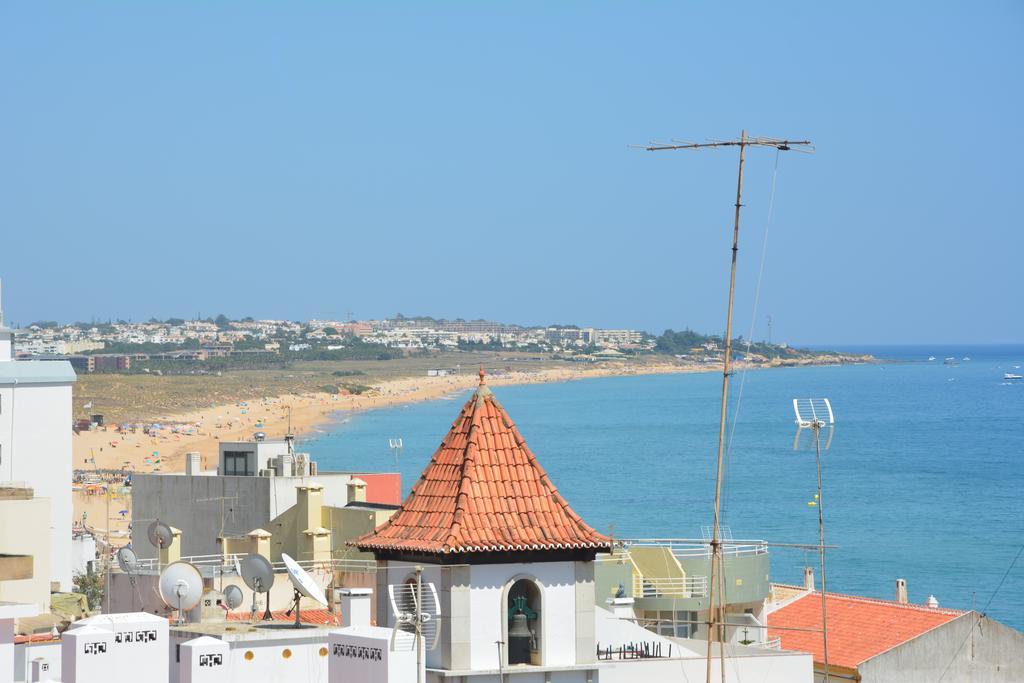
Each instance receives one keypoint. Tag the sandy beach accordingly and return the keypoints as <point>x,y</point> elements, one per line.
<point>114,447</point>
<point>163,449</point>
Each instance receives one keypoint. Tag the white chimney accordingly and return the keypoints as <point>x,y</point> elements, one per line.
<point>809,578</point>
<point>355,606</point>
<point>901,591</point>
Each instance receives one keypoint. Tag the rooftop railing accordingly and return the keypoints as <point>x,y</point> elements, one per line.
<point>695,548</point>
<point>226,565</point>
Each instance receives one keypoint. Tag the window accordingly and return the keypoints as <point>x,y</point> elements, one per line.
<point>236,463</point>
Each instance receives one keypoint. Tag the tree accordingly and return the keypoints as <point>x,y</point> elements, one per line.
<point>90,584</point>
<point>331,331</point>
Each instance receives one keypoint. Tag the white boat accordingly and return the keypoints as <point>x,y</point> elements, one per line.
<point>1010,375</point>
<point>951,361</point>
<point>931,357</point>
<point>966,358</point>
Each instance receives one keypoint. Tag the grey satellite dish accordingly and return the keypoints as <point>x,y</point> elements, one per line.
<point>129,564</point>
<point>181,587</point>
<point>233,596</point>
<point>127,560</point>
<point>303,584</point>
<point>160,535</point>
<point>258,575</point>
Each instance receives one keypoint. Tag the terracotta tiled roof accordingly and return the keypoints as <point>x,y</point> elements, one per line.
<point>858,628</point>
<point>308,616</point>
<point>483,491</point>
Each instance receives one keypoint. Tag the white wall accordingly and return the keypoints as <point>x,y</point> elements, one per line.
<point>35,440</point>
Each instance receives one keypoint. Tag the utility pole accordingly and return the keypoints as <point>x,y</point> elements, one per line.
<point>769,330</point>
<point>715,619</point>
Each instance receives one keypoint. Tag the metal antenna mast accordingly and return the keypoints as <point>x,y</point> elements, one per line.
<point>716,547</point>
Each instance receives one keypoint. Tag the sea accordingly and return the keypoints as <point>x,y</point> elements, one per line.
<point>922,477</point>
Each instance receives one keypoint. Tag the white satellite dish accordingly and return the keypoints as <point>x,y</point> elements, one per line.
<point>416,610</point>
<point>160,535</point>
<point>303,584</point>
<point>181,587</point>
<point>233,596</point>
<point>258,575</point>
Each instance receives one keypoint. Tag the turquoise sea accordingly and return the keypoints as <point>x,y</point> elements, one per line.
<point>923,479</point>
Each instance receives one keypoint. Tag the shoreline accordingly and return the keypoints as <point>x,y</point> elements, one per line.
<point>163,450</point>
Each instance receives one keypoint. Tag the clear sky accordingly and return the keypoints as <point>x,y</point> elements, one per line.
<point>307,159</point>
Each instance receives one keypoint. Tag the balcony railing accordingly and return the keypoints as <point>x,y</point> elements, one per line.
<point>663,587</point>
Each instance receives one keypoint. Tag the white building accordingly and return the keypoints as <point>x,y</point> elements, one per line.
<point>35,440</point>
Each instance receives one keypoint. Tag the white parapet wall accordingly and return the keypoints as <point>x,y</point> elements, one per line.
<point>116,648</point>
<point>365,654</point>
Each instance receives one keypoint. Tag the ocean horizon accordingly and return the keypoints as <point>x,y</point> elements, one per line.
<point>922,479</point>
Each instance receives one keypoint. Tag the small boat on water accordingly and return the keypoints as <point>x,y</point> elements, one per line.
<point>931,357</point>
<point>951,361</point>
<point>1011,376</point>
<point>967,358</point>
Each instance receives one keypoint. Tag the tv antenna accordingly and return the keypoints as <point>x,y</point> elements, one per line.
<point>816,414</point>
<point>181,588</point>
<point>258,575</point>
<point>416,609</point>
<point>302,584</point>
<point>781,145</point>
<point>396,447</point>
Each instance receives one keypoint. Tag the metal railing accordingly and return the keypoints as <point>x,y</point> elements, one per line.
<point>674,587</point>
<point>692,548</point>
<point>226,565</point>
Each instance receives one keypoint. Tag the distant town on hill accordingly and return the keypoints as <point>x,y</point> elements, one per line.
<point>219,343</point>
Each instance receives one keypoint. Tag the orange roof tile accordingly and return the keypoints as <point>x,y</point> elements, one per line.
<point>483,491</point>
<point>308,616</point>
<point>858,628</point>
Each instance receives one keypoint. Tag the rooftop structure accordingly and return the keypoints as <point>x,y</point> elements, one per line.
<point>484,492</point>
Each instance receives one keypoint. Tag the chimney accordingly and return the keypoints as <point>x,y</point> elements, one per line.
<point>355,606</point>
<point>171,553</point>
<point>309,502</point>
<point>901,591</point>
<point>808,578</point>
<point>193,464</point>
<point>259,542</point>
<point>932,602</point>
<point>356,490</point>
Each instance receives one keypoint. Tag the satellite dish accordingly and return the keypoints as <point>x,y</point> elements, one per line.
<point>424,622</point>
<point>160,535</point>
<point>302,581</point>
<point>181,587</point>
<point>233,596</point>
<point>258,575</point>
<point>127,560</point>
<point>303,584</point>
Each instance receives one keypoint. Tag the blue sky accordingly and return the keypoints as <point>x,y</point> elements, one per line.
<point>471,160</point>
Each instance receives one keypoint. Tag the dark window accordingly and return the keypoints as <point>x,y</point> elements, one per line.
<point>236,463</point>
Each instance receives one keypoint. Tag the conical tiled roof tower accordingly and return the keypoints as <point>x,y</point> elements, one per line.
<point>483,492</point>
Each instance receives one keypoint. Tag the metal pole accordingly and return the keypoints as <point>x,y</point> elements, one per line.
<point>821,548</point>
<point>106,592</point>
<point>716,547</point>
<point>419,624</point>
<point>501,666</point>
